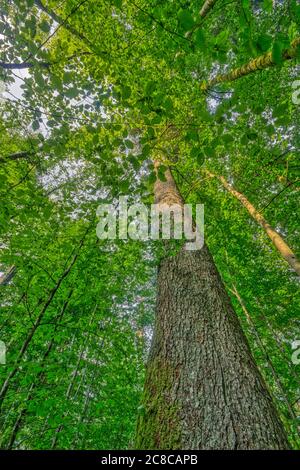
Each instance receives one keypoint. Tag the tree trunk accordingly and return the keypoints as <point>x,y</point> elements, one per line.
<point>262,62</point>
<point>205,9</point>
<point>275,237</point>
<point>5,278</point>
<point>207,6</point>
<point>202,389</point>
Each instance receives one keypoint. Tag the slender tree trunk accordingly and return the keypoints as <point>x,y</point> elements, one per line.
<point>7,277</point>
<point>84,416</point>
<point>23,65</point>
<point>17,155</point>
<point>262,62</point>
<point>207,6</point>
<point>203,389</point>
<point>37,380</point>
<point>205,9</point>
<point>34,328</point>
<point>276,239</point>
<point>84,349</point>
<point>264,351</point>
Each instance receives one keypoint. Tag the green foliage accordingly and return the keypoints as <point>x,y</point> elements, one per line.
<point>114,86</point>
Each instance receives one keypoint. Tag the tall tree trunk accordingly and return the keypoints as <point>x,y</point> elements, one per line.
<point>5,278</point>
<point>206,7</point>
<point>36,324</point>
<point>275,237</point>
<point>38,379</point>
<point>203,389</point>
<point>262,62</point>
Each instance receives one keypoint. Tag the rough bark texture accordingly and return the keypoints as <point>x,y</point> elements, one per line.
<point>203,389</point>
<point>262,62</point>
<point>166,192</point>
<point>275,237</point>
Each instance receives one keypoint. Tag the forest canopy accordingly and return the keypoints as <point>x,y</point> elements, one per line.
<point>109,98</point>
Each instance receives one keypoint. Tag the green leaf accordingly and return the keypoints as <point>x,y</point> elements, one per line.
<point>192,135</point>
<point>45,26</point>
<point>71,92</point>
<point>161,173</point>
<point>129,144</point>
<point>117,3</point>
<point>268,5</point>
<point>35,125</point>
<point>134,162</point>
<point>126,92</point>
<point>264,42</point>
<point>252,135</point>
<point>227,138</point>
<point>146,150</point>
<point>186,20</point>
<point>168,104</point>
<point>280,110</point>
<point>209,151</point>
<point>197,155</point>
<point>200,38</point>
<point>277,52</point>
<point>152,177</point>
<point>150,88</point>
<point>39,79</point>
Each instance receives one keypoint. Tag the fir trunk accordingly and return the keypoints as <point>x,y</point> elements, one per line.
<point>203,389</point>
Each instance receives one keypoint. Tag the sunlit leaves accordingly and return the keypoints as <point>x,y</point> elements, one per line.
<point>277,52</point>
<point>44,26</point>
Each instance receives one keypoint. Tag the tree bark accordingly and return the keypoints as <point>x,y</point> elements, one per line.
<point>205,9</point>
<point>207,6</point>
<point>5,278</point>
<point>203,389</point>
<point>23,65</point>
<point>275,237</point>
<point>262,62</point>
